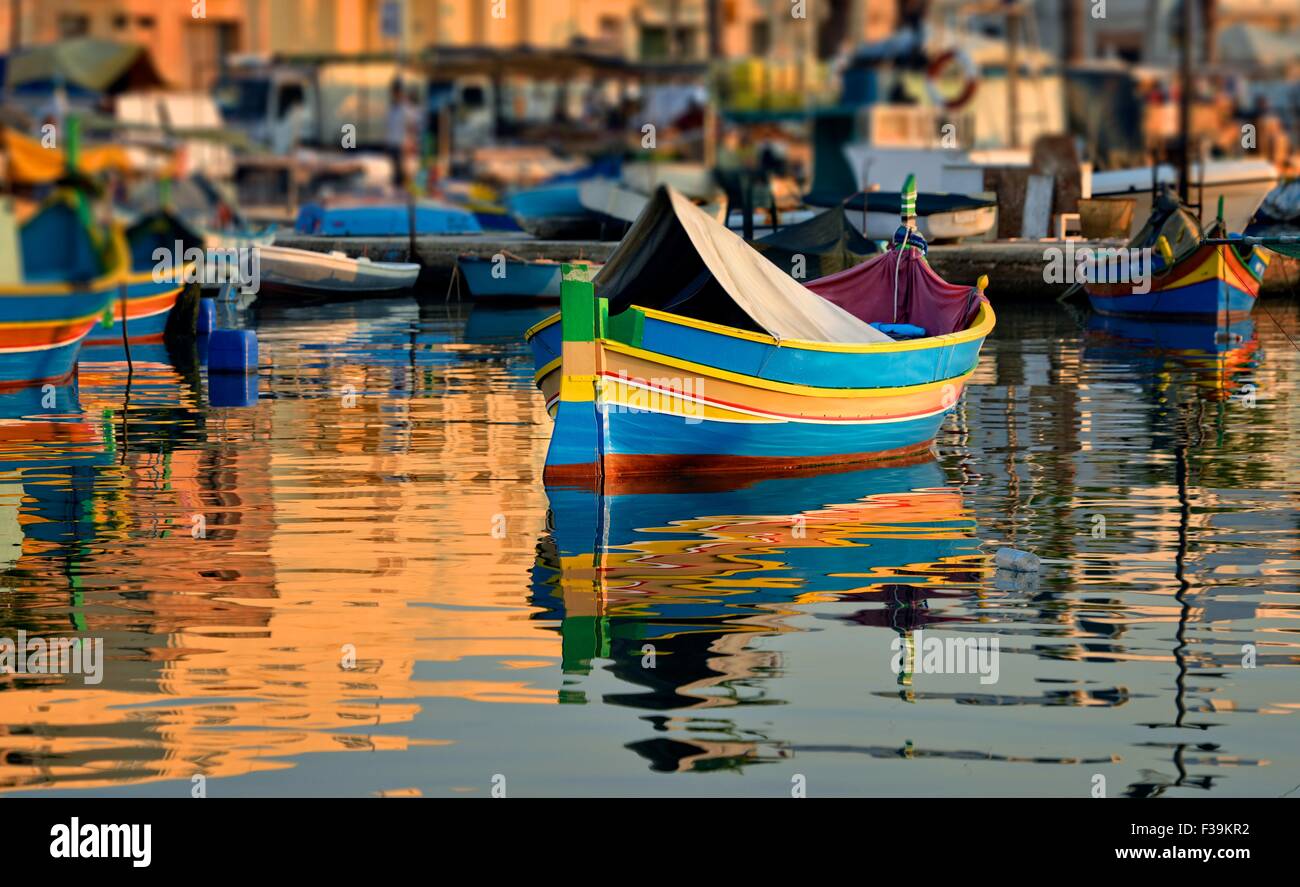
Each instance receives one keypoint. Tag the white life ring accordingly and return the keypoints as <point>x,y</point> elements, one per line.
<point>970,78</point>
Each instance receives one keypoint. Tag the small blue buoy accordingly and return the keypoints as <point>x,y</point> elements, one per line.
<point>232,351</point>
<point>207,316</point>
<point>232,390</point>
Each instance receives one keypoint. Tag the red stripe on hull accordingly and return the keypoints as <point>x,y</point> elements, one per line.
<point>616,466</point>
<point>58,333</point>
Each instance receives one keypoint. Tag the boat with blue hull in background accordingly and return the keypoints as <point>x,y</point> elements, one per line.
<point>59,283</point>
<point>698,354</point>
<point>511,279</point>
<point>1189,273</point>
<point>157,277</point>
<point>386,219</point>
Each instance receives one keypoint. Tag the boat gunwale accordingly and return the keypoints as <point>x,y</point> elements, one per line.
<point>118,274</point>
<point>980,328</point>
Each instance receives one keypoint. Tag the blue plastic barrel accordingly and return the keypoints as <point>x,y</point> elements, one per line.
<point>207,316</point>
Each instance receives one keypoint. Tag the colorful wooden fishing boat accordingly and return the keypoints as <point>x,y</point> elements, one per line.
<point>153,284</point>
<point>1217,279</point>
<point>698,354</point>
<point>1183,274</point>
<point>65,278</point>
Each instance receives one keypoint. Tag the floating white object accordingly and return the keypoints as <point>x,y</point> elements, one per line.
<point>1020,561</point>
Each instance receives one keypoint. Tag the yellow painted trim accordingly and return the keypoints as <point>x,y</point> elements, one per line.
<point>147,277</point>
<point>982,326</point>
<point>538,327</point>
<point>547,369</point>
<point>700,369</point>
<point>111,278</point>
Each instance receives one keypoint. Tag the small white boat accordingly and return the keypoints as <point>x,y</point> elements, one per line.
<point>303,270</point>
<point>1243,184</point>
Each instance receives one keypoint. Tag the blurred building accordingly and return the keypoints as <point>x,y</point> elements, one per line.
<point>190,38</point>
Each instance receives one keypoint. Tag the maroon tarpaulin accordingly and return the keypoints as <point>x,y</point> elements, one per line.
<point>924,298</point>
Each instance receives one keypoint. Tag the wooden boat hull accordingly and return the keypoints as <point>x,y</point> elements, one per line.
<point>936,227</point>
<point>656,393</point>
<point>1242,184</point>
<point>65,290</point>
<point>41,333</point>
<point>1215,280</point>
<point>535,281</point>
<point>553,212</point>
<point>148,307</point>
<point>305,271</point>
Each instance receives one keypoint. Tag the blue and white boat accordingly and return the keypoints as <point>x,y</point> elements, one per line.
<point>386,219</point>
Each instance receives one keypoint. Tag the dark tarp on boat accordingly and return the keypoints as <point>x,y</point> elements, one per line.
<point>676,258</point>
<point>828,243</point>
<point>1170,219</point>
<point>156,230</point>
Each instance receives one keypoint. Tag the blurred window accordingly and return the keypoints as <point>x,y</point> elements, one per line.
<point>654,43</point>
<point>74,25</point>
<point>760,37</point>
<point>242,99</point>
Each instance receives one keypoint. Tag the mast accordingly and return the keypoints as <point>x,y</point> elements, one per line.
<point>1185,105</point>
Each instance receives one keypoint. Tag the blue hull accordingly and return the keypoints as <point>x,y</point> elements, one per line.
<point>514,280</point>
<point>386,220</point>
<point>1212,297</point>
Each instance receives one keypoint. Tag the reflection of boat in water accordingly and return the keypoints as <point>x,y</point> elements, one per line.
<point>1211,354</point>
<point>49,454</point>
<point>699,573</point>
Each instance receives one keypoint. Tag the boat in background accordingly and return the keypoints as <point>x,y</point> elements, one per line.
<point>150,296</point>
<point>939,216</point>
<point>697,353</point>
<point>1190,274</point>
<point>334,273</point>
<point>869,179</point>
<point>385,218</point>
<point>1241,186</point>
<point>825,244</point>
<point>58,277</point>
<point>490,280</point>
<point>553,211</point>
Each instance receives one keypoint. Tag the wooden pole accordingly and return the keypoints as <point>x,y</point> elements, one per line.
<point>1013,74</point>
<point>1185,106</point>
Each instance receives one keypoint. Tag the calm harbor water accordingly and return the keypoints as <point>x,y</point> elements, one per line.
<point>382,501</point>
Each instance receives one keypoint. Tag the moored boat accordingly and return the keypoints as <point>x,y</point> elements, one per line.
<point>1240,185</point>
<point>386,218</point>
<point>696,353</point>
<point>507,278</point>
<point>61,279</point>
<point>1183,273</point>
<point>305,271</point>
<point>158,243</point>
<point>553,212</point>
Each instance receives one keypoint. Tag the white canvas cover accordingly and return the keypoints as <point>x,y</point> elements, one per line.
<point>774,301</point>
